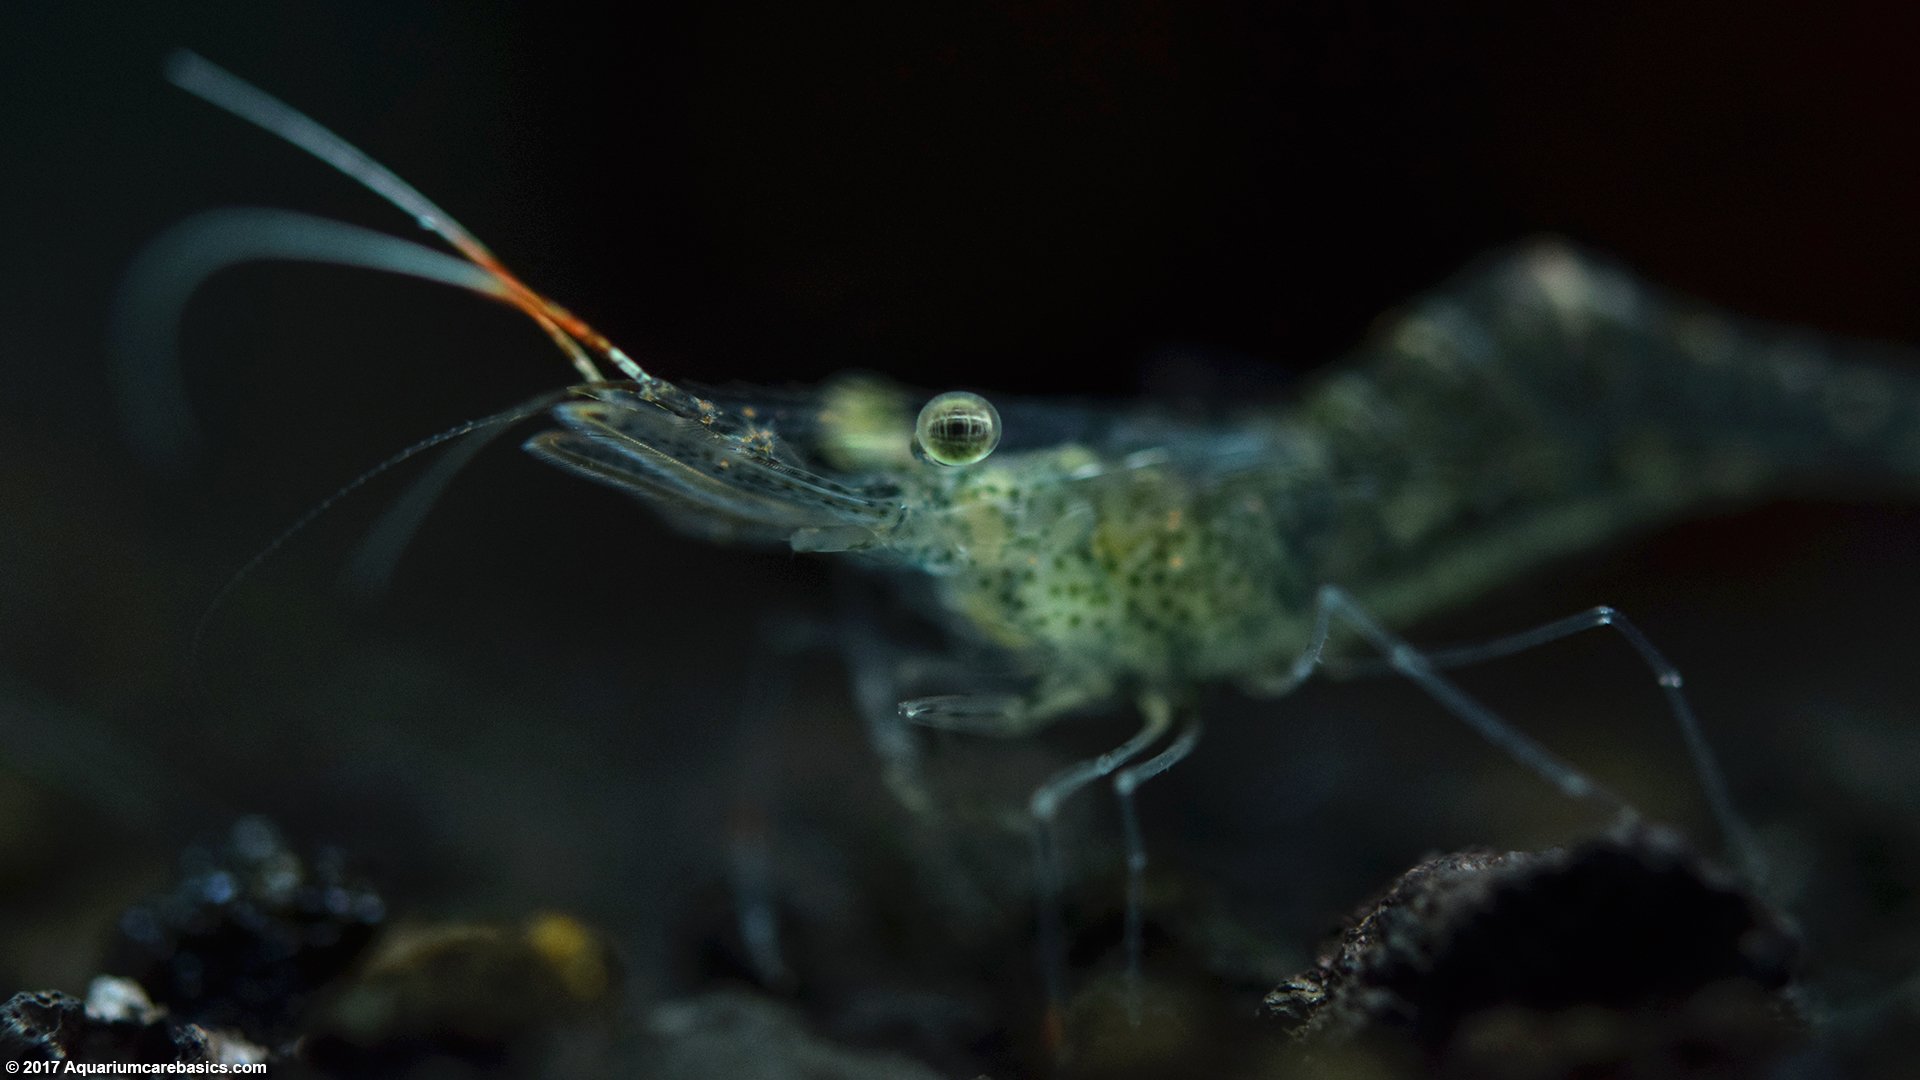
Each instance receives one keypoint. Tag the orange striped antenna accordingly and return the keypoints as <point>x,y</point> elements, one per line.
<point>219,87</point>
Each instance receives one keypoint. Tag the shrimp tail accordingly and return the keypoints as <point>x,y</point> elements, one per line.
<point>1547,400</point>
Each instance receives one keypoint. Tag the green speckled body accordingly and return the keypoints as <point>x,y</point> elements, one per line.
<point>1536,406</point>
<point>1154,571</point>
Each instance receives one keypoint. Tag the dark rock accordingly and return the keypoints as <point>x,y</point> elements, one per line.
<point>248,933</point>
<point>1627,953</point>
<point>490,996</point>
<point>745,1037</point>
<point>51,1026</point>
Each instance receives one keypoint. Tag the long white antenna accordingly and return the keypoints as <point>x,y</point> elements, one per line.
<point>219,87</point>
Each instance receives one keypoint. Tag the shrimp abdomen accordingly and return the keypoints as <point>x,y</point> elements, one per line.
<point>1549,401</point>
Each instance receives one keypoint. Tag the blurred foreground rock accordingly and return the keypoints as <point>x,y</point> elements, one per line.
<point>744,1037</point>
<point>261,953</point>
<point>116,1023</point>
<point>1626,956</point>
<point>1622,957</point>
<point>249,932</point>
<point>486,996</point>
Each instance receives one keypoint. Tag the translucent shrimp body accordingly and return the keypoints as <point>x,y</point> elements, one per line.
<point>1536,405</point>
<point>1540,404</point>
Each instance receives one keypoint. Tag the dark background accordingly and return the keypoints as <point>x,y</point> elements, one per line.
<point>1196,201</point>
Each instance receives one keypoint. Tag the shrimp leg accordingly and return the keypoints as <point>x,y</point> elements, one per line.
<point>1713,780</point>
<point>1156,719</point>
<point>753,831</point>
<point>1011,716</point>
<point>1333,601</point>
<point>873,668</point>
<point>1125,783</point>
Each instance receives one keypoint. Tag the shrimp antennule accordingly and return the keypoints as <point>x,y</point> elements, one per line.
<point>158,413</point>
<point>215,85</point>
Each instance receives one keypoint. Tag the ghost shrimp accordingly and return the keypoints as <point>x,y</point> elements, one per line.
<point>1539,404</point>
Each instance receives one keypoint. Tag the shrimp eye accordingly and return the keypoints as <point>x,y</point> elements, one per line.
<point>957,428</point>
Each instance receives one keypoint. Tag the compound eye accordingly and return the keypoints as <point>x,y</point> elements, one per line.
<point>957,428</point>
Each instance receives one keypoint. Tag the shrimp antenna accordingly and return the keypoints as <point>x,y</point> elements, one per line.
<point>158,413</point>
<point>215,85</point>
<point>482,430</point>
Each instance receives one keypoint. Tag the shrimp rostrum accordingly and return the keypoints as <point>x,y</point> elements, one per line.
<point>1540,403</point>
